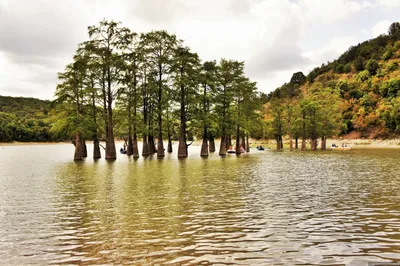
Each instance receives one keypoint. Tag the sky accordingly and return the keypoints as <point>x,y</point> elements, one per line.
<point>275,38</point>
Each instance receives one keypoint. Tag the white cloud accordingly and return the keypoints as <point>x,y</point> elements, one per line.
<point>330,11</point>
<point>335,47</point>
<point>388,3</point>
<point>380,28</point>
<point>38,38</point>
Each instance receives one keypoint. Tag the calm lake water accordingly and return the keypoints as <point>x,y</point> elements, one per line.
<point>268,208</point>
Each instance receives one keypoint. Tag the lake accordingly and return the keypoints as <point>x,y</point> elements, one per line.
<point>268,208</point>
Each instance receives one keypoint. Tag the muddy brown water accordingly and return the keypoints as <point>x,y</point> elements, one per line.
<point>267,208</point>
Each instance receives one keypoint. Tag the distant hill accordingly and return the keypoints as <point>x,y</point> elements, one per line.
<point>367,77</point>
<point>24,119</point>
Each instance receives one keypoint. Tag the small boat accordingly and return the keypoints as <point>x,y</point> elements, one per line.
<point>122,151</point>
<point>231,151</point>
<point>260,148</point>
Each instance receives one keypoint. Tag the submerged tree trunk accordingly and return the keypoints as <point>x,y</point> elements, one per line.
<point>135,147</point>
<point>78,148</point>
<point>313,144</point>
<point>238,148</point>
<point>182,146</point>
<point>129,150</point>
<point>222,146</point>
<point>160,145</point>
<point>204,144</point>
<point>111,153</point>
<point>145,148</point>
<point>152,149</point>
<point>278,143</point>
<point>96,149</point>
<point>204,148</point>
<point>247,143</point>
<point>212,144</point>
<point>84,149</point>
<point>323,143</point>
<point>228,141</point>
<point>169,148</point>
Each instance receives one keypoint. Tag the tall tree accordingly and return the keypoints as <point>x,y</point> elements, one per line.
<point>208,84</point>
<point>229,72</point>
<point>186,66</point>
<point>109,38</point>
<point>158,47</point>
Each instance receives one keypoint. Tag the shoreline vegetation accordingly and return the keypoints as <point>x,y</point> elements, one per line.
<point>352,143</point>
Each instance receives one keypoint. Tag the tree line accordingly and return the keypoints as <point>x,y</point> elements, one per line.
<point>357,94</point>
<point>152,86</point>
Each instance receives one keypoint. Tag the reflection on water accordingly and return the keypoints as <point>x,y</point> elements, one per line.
<point>323,208</point>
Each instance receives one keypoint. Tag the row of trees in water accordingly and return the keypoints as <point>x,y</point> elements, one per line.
<point>151,86</point>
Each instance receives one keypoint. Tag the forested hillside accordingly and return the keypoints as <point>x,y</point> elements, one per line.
<point>356,94</point>
<point>24,119</point>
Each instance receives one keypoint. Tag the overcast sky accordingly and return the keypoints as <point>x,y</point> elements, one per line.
<point>275,37</point>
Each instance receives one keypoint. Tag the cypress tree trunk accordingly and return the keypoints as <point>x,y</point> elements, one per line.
<point>135,148</point>
<point>96,149</point>
<point>228,141</point>
<point>222,147</point>
<point>278,143</point>
<point>296,145</point>
<point>243,142</point>
<point>238,140</point>
<point>290,143</point>
<point>78,148</point>
<point>111,153</point>
<point>323,143</point>
<point>204,148</point>
<point>303,144</point>
<point>152,149</point>
<point>84,149</point>
<point>313,144</point>
<point>204,144</point>
<point>145,148</point>
<point>212,144</point>
<point>169,148</point>
<point>247,143</point>
<point>182,147</point>
<point>160,146</point>
<point>129,150</point>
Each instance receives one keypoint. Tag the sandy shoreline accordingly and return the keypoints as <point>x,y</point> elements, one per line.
<point>353,143</point>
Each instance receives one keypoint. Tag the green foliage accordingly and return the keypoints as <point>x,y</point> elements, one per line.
<point>24,119</point>
<point>363,76</point>
<point>372,67</point>
<point>347,68</point>
<point>393,66</point>
<point>390,88</point>
<point>388,53</point>
<point>359,63</point>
